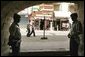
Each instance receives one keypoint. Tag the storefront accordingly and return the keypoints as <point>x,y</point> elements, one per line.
<point>40,23</point>
<point>61,24</point>
<point>56,20</point>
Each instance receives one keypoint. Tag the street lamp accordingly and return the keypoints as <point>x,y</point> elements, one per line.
<point>44,31</point>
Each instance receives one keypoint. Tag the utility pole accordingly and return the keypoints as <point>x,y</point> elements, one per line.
<point>44,30</point>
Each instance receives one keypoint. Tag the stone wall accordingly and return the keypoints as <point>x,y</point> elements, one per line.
<point>81,18</point>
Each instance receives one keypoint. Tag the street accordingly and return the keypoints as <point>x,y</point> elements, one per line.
<point>56,41</point>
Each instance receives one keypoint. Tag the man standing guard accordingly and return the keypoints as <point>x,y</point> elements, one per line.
<point>76,30</point>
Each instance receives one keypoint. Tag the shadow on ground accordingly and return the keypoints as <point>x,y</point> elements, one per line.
<point>53,53</point>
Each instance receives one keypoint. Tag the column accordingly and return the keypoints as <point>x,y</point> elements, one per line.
<point>51,28</point>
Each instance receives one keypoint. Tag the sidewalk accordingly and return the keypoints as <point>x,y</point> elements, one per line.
<point>47,32</point>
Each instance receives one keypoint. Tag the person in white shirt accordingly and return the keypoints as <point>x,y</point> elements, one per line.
<point>32,28</point>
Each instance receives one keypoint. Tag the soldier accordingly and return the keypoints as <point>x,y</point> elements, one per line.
<point>76,30</point>
<point>15,35</point>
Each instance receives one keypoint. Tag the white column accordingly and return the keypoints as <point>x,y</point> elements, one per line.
<point>51,28</point>
<point>57,28</point>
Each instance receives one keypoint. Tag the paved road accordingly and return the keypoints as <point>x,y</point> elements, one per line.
<point>53,43</point>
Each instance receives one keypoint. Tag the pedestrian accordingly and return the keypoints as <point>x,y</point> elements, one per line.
<point>32,28</point>
<point>15,35</point>
<point>76,30</point>
<point>28,30</point>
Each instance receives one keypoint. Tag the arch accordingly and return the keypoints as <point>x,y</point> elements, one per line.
<point>8,8</point>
